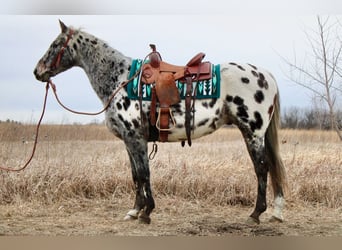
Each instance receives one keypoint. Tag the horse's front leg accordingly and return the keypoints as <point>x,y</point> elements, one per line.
<point>144,202</point>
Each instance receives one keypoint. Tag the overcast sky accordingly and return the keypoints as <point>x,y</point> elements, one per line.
<point>256,35</point>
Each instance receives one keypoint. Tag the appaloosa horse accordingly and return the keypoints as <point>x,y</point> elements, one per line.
<point>248,98</point>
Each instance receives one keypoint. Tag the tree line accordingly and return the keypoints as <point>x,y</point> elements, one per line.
<point>309,118</point>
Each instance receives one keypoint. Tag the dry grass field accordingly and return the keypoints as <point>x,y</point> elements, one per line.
<point>79,183</point>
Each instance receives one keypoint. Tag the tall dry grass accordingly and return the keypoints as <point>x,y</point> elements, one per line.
<point>11,132</point>
<point>74,162</point>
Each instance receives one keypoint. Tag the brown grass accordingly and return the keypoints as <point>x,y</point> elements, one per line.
<point>77,162</point>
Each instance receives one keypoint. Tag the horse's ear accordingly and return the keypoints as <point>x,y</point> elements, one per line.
<point>63,26</point>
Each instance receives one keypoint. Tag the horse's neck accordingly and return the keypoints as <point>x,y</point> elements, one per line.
<point>105,67</point>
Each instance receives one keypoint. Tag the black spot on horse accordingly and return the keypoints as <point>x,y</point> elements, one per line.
<point>118,105</point>
<point>120,117</point>
<point>232,63</point>
<point>81,37</point>
<point>252,125</point>
<point>242,112</point>
<point>257,123</point>
<point>229,98</point>
<point>202,123</point>
<point>179,126</point>
<point>262,82</point>
<point>178,108</point>
<point>212,103</point>
<point>258,119</point>
<point>205,104</point>
<point>254,73</point>
<point>74,46</point>
<point>244,119</point>
<point>127,102</point>
<point>241,68</point>
<point>137,107</point>
<point>238,100</point>
<point>136,123</point>
<point>259,96</point>
<point>245,80</point>
<point>94,42</point>
<point>252,66</point>
<point>128,125</point>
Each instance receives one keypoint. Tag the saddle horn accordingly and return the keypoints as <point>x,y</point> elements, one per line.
<point>155,57</point>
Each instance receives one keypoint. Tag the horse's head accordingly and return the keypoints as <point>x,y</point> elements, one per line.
<point>59,57</point>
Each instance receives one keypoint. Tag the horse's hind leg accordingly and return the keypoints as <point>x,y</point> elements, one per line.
<point>144,202</point>
<point>256,149</point>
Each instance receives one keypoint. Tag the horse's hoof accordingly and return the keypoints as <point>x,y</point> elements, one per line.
<point>131,215</point>
<point>252,221</point>
<point>276,219</point>
<point>144,218</point>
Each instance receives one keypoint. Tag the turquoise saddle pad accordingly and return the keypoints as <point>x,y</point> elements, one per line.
<point>206,89</point>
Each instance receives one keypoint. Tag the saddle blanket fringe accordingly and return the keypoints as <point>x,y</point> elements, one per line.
<point>206,89</point>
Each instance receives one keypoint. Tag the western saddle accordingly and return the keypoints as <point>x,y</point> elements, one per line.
<point>165,93</point>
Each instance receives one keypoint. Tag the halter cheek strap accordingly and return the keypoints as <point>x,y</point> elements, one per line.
<point>56,62</point>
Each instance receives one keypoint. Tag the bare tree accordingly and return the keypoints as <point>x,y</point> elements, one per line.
<point>321,72</point>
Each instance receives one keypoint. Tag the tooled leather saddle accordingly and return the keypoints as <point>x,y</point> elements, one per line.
<point>162,76</point>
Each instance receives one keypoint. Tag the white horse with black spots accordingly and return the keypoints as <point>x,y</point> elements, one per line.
<point>249,99</point>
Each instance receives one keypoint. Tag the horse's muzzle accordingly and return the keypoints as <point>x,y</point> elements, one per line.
<point>41,72</point>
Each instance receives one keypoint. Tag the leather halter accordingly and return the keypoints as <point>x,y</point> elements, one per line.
<point>55,63</point>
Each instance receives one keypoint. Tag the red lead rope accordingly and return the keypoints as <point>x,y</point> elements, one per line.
<point>35,139</point>
<point>53,86</point>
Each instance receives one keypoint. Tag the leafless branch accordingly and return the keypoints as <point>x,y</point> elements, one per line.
<point>323,72</point>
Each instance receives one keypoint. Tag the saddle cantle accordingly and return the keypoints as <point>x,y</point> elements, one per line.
<point>163,76</point>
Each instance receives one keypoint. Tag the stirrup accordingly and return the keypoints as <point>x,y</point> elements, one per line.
<point>172,119</point>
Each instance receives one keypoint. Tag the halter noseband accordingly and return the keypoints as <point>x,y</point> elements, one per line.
<point>55,63</point>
